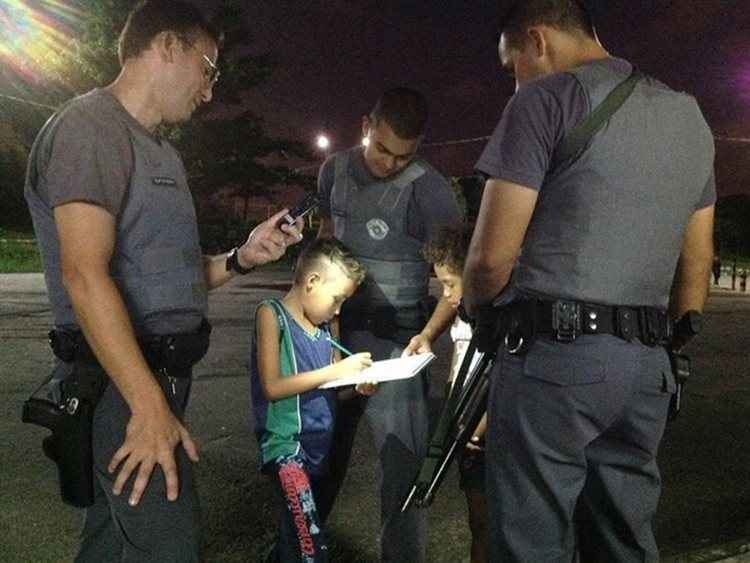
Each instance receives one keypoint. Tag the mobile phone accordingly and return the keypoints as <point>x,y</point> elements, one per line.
<point>308,204</point>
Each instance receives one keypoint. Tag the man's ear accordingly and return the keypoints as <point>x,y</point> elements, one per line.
<point>538,41</point>
<point>166,44</point>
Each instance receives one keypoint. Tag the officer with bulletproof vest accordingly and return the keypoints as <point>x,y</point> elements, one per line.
<point>384,203</point>
<point>608,246</point>
<point>128,285</point>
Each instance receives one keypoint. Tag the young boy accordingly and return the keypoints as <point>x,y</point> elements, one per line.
<point>292,355</point>
<point>447,253</point>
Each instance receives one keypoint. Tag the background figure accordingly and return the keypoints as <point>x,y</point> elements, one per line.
<point>384,204</point>
<point>716,268</point>
<point>128,285</point>
<point>577,412</point>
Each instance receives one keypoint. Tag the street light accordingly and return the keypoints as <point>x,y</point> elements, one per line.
<point>323,142</point>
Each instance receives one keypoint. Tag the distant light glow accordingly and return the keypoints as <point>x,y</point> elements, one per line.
<point>323,142</point>
<point>33,34</point>
<point>365,141</point>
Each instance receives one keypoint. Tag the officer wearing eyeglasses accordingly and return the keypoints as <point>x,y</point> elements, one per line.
<point>582,385</point>
<point>128,284</point>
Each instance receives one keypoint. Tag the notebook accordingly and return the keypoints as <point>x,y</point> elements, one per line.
<point>385,370</point>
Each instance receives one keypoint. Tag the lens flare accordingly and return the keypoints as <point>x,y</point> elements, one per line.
<point>34,37</point>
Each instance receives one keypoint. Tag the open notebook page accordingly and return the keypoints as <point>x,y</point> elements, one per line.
<point>385,370</point>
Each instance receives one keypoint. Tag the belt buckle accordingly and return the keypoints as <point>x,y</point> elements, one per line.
<point>566,320</point>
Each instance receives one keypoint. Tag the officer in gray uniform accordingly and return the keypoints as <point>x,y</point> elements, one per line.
<point>117,230</point>
<point>582,385</point>
<point>384,204</point>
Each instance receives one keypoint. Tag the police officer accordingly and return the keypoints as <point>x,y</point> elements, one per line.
<point>117,230</point>
<point>384,204</point>
<point>581,387</point>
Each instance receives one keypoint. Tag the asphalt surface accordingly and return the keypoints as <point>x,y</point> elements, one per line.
<point>704,514</point>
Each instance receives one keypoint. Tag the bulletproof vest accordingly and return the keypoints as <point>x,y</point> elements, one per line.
<point>372,221</point>
<point>608,228</point>
<point>157,263</point>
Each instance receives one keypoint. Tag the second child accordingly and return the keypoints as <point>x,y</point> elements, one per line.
<point>292,355</point>
<point>447,253</point>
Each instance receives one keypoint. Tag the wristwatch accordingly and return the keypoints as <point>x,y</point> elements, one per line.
<point>233,263</point>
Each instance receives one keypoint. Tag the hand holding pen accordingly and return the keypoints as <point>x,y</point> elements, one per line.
<point>364,359</point>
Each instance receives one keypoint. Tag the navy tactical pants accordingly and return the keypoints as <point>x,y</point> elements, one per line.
<point>398,417</point>
<point>574,429</point>
<point>156,530</point>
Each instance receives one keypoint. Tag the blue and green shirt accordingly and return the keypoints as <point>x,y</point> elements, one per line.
<point>302,424</point>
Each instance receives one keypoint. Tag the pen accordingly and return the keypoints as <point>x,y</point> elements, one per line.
<point>339,346</point>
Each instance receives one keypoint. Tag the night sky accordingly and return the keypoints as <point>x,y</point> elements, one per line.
<point>334,57</point>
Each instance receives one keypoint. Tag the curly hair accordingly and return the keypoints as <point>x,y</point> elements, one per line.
<point>329,250</point>
<point>448,247</point>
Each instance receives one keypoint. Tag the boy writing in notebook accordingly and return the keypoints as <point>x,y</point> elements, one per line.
<point>293,354</point>
<point>447,253</point>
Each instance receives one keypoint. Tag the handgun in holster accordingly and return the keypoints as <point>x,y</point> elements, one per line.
<point>66,407</point>
<point>464,407</point>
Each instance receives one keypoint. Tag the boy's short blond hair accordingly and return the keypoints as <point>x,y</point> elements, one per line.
<point>325,251</point>
<point>449,247</point>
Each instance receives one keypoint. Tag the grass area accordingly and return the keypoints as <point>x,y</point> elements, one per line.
<point>19,256</point>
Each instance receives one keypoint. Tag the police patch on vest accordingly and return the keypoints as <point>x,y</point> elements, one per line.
<point>377,228</point>
<point>164,181</point>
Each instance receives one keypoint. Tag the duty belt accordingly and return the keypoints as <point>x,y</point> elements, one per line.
<point>565,320</point>
<point>173,353</point>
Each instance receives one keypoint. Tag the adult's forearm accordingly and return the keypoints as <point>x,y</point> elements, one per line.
<point>692,275</point>
<point>105,322</point>
<point>483,284</point>
<point>215,271</point>
<point>691,285</point>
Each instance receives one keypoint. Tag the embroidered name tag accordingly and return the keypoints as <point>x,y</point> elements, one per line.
<point>163,181</point>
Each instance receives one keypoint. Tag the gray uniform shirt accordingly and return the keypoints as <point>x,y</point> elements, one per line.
<point>608,228</point>
<point>94,151</point>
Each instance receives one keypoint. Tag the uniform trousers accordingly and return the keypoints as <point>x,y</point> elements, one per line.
<point>574,429</point>
<point>398,418</point>
<point>155,530</point>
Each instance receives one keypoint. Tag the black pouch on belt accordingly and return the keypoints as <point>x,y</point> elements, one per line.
<point>177,352</point>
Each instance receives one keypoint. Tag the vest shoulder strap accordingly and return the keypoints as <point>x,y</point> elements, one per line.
<point>578,138</point>
<point>414,171</point>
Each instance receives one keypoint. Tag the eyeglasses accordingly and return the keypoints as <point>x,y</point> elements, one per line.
<point>211,72</point>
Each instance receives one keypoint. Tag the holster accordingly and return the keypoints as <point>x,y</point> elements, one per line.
<point>66,406</point>
<point>71,422</point>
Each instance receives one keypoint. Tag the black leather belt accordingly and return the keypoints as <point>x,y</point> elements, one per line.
<point>175,353</point>
<point>566,320</point>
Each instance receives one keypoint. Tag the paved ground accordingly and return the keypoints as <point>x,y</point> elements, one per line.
<point>704,513</point>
